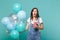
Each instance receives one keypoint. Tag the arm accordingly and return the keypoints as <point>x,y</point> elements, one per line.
<point>27,26</point>
<point>41,27</point>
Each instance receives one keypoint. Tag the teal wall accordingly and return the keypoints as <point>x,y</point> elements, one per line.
<point>49,11</point>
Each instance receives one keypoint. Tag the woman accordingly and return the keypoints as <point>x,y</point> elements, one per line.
<point>34,24</point>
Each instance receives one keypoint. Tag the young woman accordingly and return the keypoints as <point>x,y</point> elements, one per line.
<point>34,24</point>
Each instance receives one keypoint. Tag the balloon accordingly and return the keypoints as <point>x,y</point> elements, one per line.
<point>21,15</point>
<point>14,34</point>
<point>13,16</point>
<point>17,7</point>
<point>20,27</point>
<point>15,22</point>
<point>10,26</point>
<point>14,19</point>
<point>5,20</point>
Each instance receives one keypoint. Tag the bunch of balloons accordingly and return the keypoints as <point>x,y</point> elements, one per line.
<point>14,23</point>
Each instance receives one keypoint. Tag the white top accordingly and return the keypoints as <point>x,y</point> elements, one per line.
<point>40,20</point>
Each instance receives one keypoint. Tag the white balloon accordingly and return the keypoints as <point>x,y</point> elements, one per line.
<point>14,19</point>
<point>10,26</point>
<point>13,16</point>
<point>21,15</point>
<point>15,22</point>
<point>5,20</point>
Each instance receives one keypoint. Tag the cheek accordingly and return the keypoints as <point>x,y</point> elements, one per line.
<point>33,13</point>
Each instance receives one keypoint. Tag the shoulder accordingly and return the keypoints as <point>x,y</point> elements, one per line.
<point>40,20</point>
<point>28,20</point>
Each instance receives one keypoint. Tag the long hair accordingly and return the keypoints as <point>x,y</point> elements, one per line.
<point>31,16</point>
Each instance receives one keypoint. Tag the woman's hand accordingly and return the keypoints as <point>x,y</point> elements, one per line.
<point>40,27</point>
<point>36,27</point>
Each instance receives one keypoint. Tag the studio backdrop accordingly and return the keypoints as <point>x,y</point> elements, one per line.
<point>49,10</point>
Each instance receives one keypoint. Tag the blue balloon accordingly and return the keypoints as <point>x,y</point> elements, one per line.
<point>10,27</point>
<point>5,20</point>
<point>17,7</point>
<point>21,15</point>
<point>20,27</point>
<point>14,34</point>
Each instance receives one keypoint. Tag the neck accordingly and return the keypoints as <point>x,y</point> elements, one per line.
<point>35,18</point>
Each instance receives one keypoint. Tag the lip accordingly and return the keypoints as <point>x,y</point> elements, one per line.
<point>34,14</point>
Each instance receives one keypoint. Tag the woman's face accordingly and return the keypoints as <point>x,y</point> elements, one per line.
<point>34,12</point>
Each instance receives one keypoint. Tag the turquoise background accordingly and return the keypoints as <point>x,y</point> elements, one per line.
<point>49,11</point>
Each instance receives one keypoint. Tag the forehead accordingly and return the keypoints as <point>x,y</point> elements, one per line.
<point>35,10</point>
